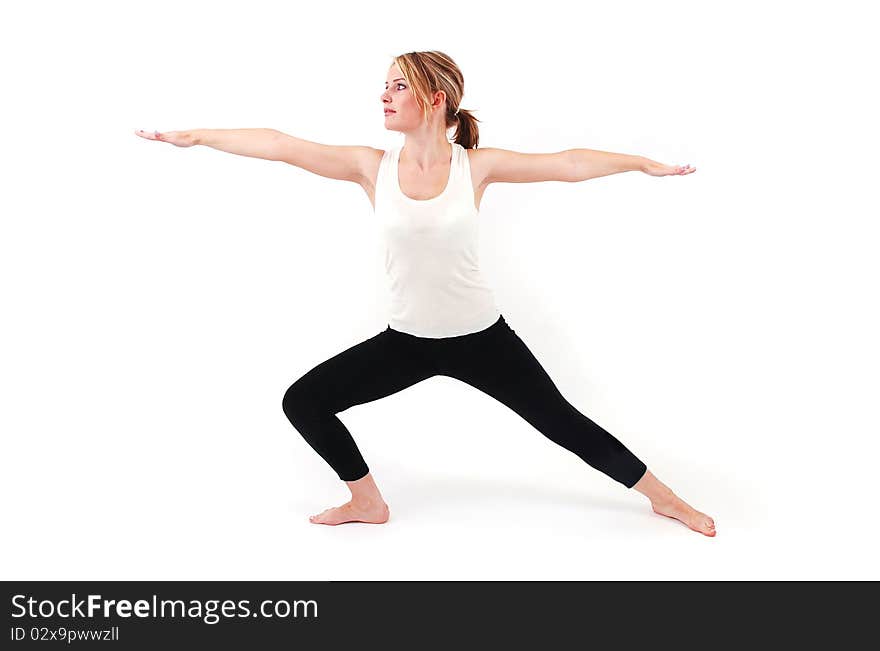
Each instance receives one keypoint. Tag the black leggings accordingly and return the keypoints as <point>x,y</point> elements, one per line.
<point>494,360</point>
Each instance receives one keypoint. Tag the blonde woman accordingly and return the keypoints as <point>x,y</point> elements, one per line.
<point>444,320</point>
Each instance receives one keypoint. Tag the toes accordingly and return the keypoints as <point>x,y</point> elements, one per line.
<point>318,515</point>
<point>327,516</point>
<point>334,515</point>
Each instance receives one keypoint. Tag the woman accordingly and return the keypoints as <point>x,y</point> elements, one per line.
<point>444,320</point>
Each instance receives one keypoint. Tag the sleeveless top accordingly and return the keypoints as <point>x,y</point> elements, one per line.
<point>431,254</point>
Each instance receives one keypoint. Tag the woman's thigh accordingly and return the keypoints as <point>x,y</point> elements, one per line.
<point>374,368</point>
<point>499,363</point>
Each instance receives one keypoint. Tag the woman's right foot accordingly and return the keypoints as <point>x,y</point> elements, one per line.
<point>373,513</point>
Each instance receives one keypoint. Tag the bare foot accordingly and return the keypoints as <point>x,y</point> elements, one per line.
<point>674,507</point>
<point>374,513</point>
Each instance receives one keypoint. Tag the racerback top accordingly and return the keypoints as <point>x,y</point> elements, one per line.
<point>431,254</point>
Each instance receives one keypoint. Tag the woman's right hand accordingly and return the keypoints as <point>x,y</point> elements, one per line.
<point>176,138</point>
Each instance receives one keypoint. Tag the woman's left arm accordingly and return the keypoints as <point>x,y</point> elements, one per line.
<point>504,166</point>
<point>592,163</point>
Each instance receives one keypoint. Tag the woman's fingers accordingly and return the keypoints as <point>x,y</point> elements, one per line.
<point>149,135</point>
<point>661,169</point>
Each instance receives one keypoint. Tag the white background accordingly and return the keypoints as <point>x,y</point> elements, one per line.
<point>157,302</point>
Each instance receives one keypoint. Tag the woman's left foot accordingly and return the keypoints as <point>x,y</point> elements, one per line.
<point>675,507</point>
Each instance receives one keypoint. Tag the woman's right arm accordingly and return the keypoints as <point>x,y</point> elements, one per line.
<point>256,143</point>
<point>342,162</point>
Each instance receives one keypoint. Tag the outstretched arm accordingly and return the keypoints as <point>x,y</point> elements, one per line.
<point>257,143</point>
<point>341,162</point>
<point>592,163</point>
<point>504,166</point>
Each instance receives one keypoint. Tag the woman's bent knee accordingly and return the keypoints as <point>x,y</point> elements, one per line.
<point>297,399</point>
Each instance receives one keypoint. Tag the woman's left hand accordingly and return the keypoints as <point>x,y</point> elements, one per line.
<point>659,169</point>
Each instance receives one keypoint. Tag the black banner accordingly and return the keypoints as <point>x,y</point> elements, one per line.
<point>413,614</point>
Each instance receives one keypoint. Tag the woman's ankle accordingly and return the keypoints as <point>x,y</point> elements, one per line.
<point>365,493</point>
<point>654,489</point>
<point>366,501</point>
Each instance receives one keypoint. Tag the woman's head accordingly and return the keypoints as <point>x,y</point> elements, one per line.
<point>425,89</point>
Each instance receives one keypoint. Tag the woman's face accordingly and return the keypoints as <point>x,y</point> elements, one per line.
<point>399,98</point>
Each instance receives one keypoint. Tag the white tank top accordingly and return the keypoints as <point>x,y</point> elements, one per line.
<point>431,254</point>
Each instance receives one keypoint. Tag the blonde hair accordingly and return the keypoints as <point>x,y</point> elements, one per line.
<point>431,71</point>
